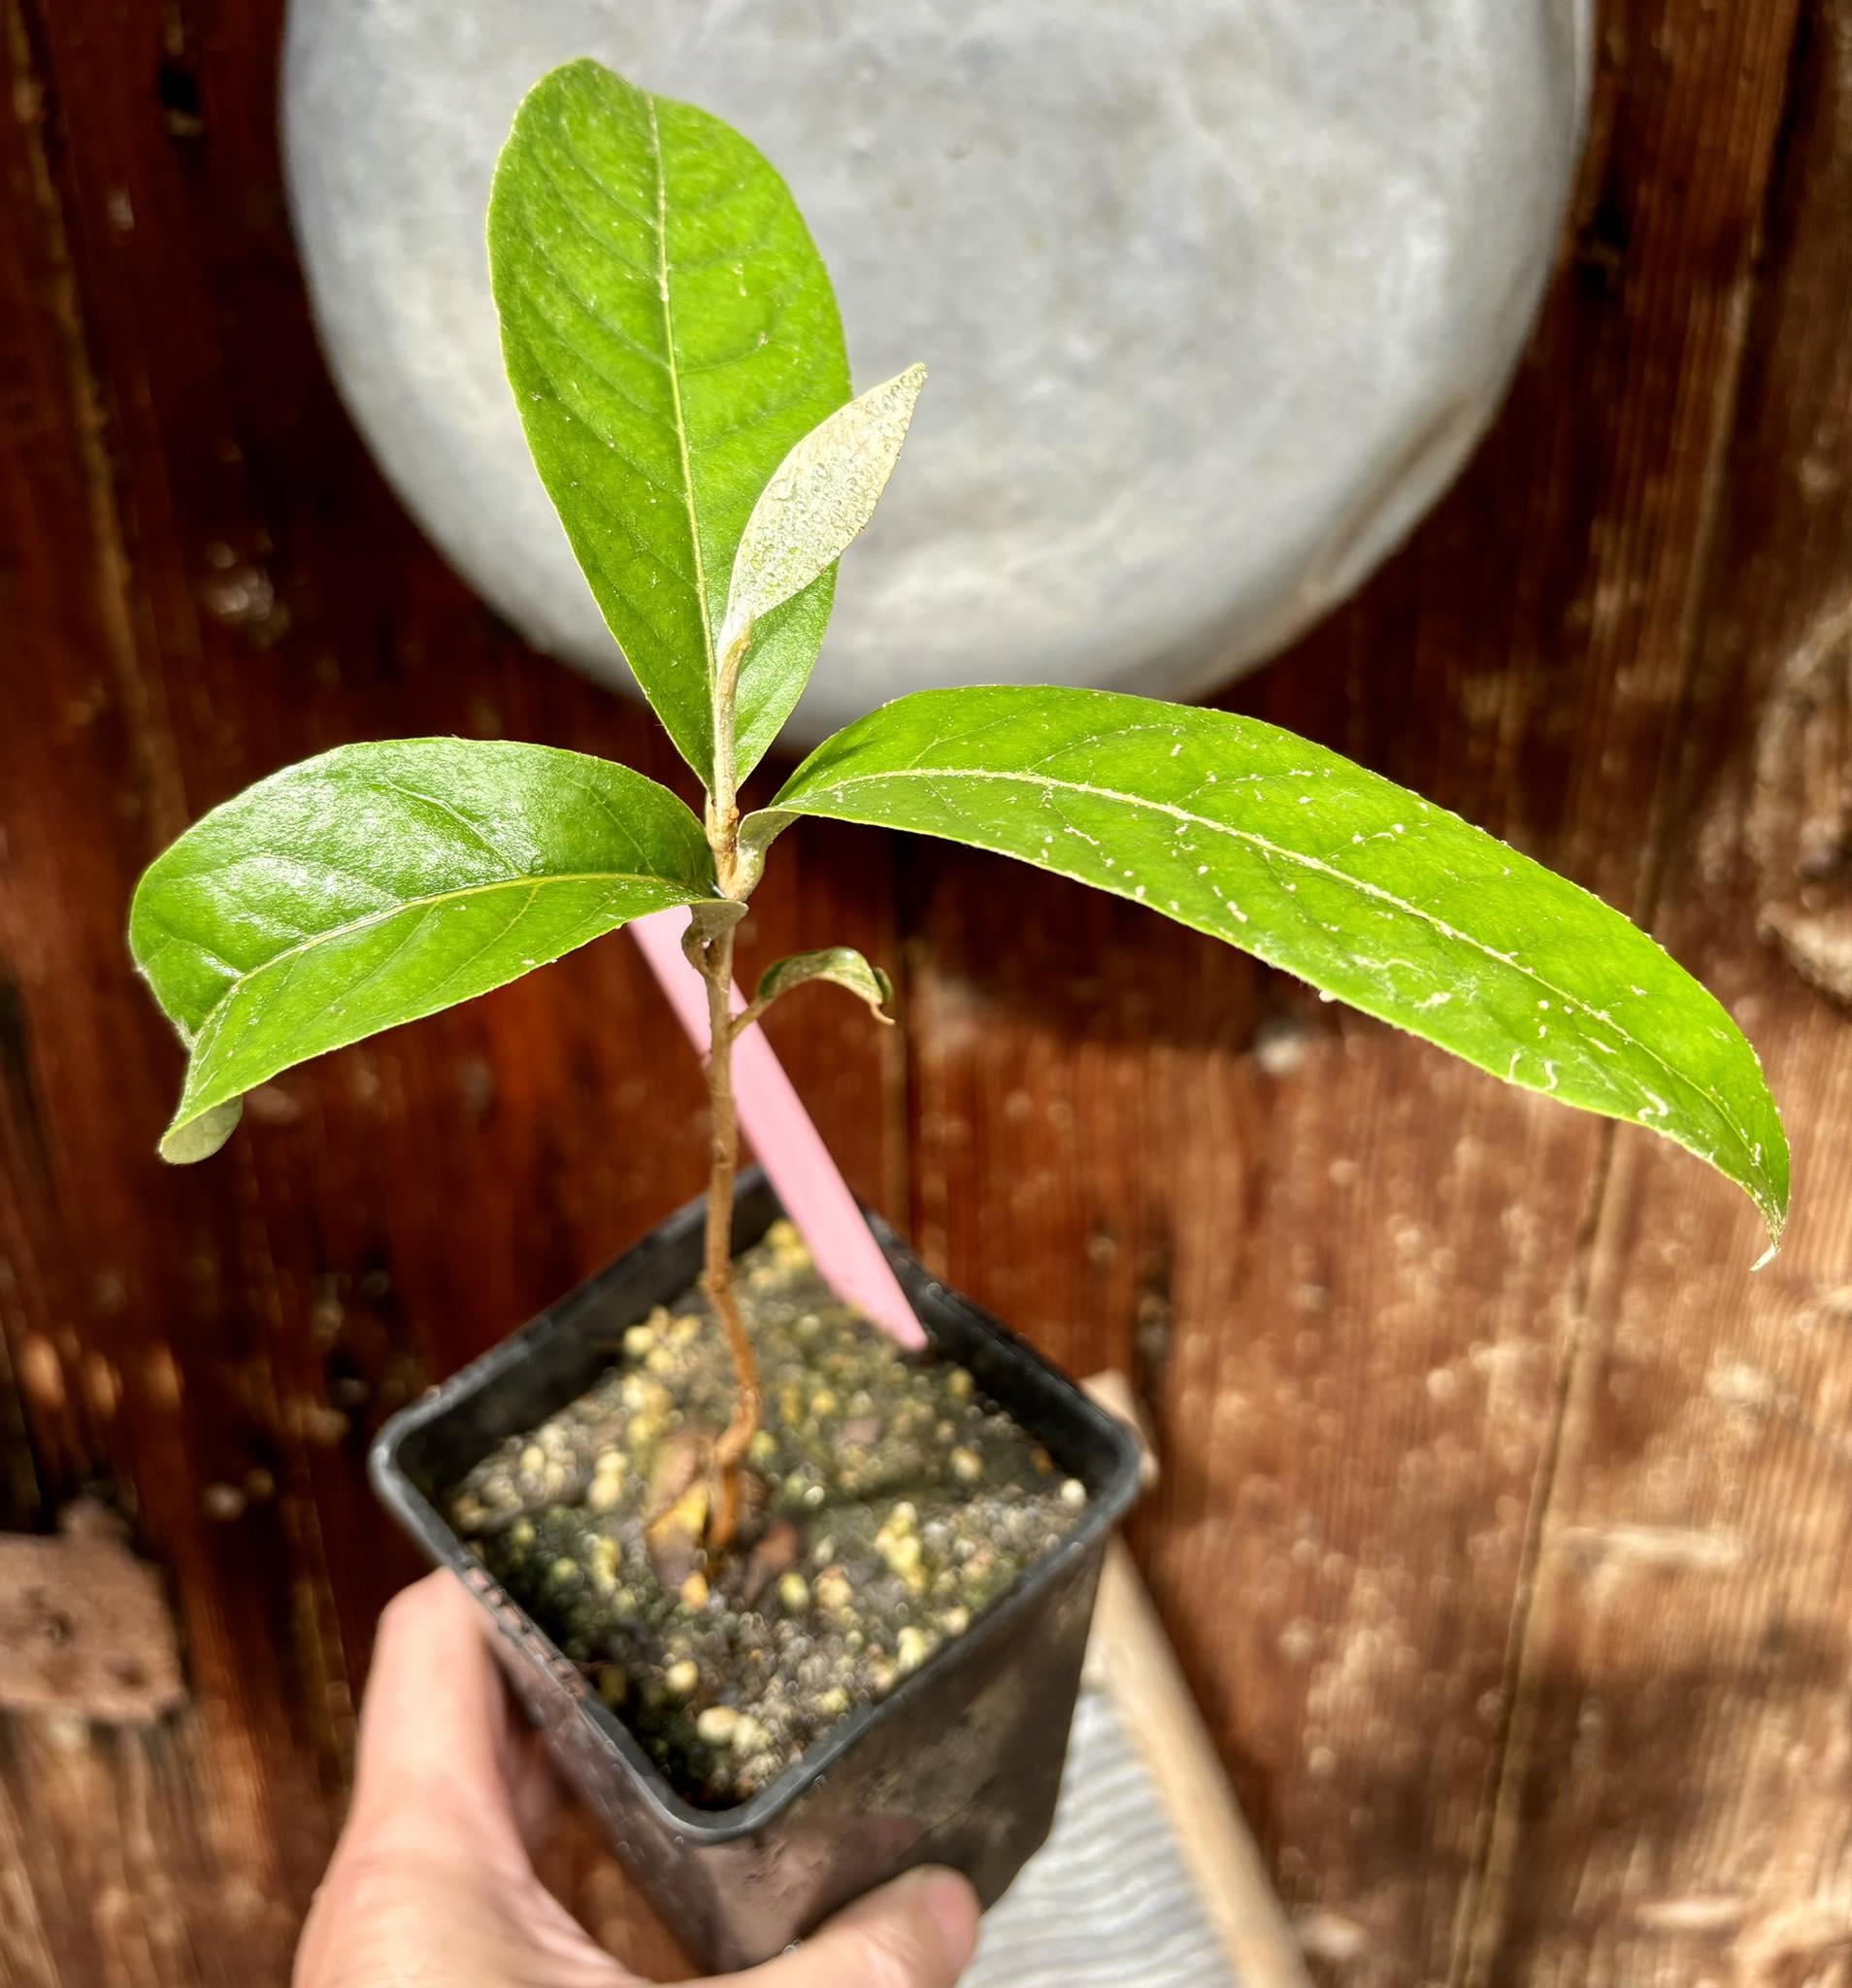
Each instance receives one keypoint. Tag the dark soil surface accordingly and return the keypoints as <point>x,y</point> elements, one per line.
<point>892,1502</point>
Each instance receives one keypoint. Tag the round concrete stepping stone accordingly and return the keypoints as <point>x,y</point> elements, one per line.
<point>1217,294</point>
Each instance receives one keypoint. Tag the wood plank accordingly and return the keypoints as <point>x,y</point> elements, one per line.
<point>1675,1806</point>
<point>1347,1269</point>
<point>1129,1654</point>
<point>97,1247</point>
<point>211,580</point>
<point>1352,1278</point>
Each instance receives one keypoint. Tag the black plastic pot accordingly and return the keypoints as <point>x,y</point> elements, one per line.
<point>959,1765</point>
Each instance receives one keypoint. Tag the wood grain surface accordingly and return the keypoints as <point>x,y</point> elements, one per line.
<point>1504,1527</point>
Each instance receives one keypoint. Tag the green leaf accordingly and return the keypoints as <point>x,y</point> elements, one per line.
<point>199,1139</point>
<point>1315,866</point>
<point>820,500</point>
<point>842,963</point>
<point>670,334</point>
<point>382,883</point>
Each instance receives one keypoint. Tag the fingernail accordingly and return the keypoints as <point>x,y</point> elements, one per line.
<point>952,1906</point>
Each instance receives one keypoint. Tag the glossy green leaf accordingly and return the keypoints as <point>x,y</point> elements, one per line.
<point>382,883</point>
<point>670,334</point>
<point>1316,866</point>
<point>820,500</point>
<point>841,963</point>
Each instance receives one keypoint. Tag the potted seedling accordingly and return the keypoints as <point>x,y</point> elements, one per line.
<point>797,1610</point>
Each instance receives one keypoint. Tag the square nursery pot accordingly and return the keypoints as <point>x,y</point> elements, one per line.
<point>959,1765</point>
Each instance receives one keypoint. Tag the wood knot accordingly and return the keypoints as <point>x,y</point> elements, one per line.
<point>85,1626</point>
<point>1800,813</point>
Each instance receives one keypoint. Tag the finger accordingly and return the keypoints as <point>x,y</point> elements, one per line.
<point>918,1932</point>
<point>434,1737</point>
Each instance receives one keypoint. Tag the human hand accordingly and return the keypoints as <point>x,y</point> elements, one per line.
<point>431,1885</point>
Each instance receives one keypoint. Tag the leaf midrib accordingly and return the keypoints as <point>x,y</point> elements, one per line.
<point>1262,843</point>
<point>675,395</point>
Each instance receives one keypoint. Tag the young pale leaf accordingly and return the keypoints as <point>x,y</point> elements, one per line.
<point>382,883</point>
<point>820,498</point>
<point>669,333</point>
<point>842,963</point>
<point>1355,884</point>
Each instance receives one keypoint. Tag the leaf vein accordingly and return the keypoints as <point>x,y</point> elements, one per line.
<point>1308,862</point>
<point>292,955</point>
<point>348,777</point>
<point>681,421</point>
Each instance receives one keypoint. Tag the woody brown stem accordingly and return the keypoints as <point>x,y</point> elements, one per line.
<point>710,947</point>
<point>715,953</point>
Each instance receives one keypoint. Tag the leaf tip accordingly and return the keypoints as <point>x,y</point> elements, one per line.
<point>200,1137</point>
<point>1771,1205</point>
<point>902,395</point>
<point>1774,1218</point>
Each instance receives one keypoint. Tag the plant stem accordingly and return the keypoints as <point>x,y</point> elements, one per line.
<point>724,802</point>
<point>717,954</point>
<point>711,931</point>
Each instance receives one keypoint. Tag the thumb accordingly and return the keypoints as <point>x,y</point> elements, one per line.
<point>918,1932</point>
<point>436,1764</point>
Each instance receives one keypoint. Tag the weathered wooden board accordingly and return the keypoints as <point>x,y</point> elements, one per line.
<point>1500,1525</point>
<point>1673,1807</point>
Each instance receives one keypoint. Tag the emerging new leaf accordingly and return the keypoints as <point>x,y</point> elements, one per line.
<point>1314,865</point>
<point>842,963</point>
<point>820,498</point>
<point>670,334</point>
<point>382,883</point>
